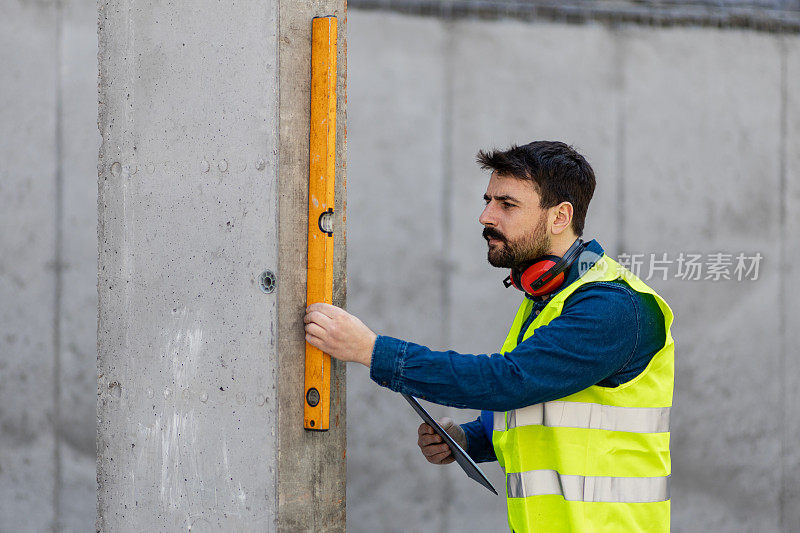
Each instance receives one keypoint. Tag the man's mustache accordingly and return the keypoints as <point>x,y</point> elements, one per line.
<point>491,233</point>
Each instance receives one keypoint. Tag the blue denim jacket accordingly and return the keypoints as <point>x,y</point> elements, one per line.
<point>606,335</point>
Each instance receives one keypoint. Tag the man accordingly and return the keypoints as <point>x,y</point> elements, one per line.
<point>575,406</point>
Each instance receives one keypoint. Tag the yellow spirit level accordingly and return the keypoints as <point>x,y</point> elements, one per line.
<point>321,179</point>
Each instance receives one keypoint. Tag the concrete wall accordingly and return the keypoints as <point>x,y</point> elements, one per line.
<point>766,15</point>
<point>693,136</point>
<point>48,261</point>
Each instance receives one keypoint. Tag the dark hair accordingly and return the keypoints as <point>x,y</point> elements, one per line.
<point>559,173</point>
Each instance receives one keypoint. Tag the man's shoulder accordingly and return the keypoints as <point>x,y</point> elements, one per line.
<point>615,298</point>
<point>615,292</point>
<point>615,306</point>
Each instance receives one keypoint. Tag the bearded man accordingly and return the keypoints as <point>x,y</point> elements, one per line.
<point>575,405</point>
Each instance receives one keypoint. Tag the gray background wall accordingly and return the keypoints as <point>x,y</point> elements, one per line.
<point>693,135</point>
<point>692,131</point>
<point>48,264</point>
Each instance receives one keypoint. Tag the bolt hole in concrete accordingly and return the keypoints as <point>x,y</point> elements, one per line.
<point>267,281</point>
<point>115,389</point>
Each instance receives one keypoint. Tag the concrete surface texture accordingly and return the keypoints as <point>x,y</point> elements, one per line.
<point>187,222</point>
<point>191,387</point>
<point>693,135</point>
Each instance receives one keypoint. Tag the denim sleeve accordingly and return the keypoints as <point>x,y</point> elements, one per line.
<point>479,446</point>
<point>595,336</point>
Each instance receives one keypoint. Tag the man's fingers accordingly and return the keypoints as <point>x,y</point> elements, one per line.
<point>435,449</point>
<point>432,447</point>
<point>316,342</point>
<point>326,309</point>
<point>439,457</point>
<point>315,330</point>
<point>427,440</point>
<point>316,316</point>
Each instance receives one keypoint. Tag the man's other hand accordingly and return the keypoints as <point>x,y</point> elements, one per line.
<point>435,450</point>
<point>338,333</point>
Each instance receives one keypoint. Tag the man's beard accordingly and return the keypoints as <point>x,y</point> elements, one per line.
<point>512,254</point>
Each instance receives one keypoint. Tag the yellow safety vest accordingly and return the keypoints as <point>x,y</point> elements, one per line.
<point>597,460</point>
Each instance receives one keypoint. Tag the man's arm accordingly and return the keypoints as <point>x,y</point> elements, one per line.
<point>594,337</point>
<point>479,444</point>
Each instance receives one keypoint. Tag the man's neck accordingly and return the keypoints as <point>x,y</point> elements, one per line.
<point>560,246</point>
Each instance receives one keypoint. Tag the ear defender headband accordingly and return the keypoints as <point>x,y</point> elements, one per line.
<point>545,274</point>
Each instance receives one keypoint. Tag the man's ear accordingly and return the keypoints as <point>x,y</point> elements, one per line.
<point>561,215</point>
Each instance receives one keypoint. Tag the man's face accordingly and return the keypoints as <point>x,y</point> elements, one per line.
<point>515,227</point>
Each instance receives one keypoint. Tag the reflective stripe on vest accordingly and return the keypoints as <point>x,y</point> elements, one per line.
<point>587,415</point>
<point>588,488</point>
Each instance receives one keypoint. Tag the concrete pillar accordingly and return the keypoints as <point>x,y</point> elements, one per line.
<point>204,124</point>
<point>311,465</point>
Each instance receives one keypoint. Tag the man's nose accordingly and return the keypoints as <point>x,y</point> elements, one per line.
<point>487,218</point>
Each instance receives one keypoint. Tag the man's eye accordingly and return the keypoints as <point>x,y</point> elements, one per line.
<point>506,204</point>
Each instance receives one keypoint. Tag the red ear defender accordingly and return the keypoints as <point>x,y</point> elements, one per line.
<point>524,280</point>
<point>546,274</point>
<point>535,272</point>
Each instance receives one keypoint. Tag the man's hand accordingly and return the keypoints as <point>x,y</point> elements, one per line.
<point>339,334</point>
<point>433,448</point>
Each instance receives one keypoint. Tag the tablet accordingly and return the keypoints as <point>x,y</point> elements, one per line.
<point>461,457</point>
